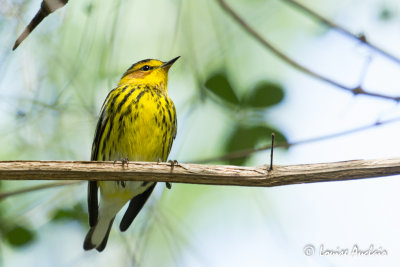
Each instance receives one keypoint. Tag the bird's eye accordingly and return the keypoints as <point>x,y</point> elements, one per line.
<point>145,68</point>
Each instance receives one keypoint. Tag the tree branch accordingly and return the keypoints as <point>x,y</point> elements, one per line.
<point>46,8</point>
<point>247,152</point>
<point>361,38</point>
<point>4,195</point>
<point>356,90</point>
<point>198,174</point>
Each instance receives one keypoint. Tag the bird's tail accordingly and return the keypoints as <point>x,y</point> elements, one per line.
<point>98,235</point>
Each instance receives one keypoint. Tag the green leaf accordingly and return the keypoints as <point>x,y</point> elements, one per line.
<point>247,137</point>
<point>219,85</point>
<point>264,95</point>
<point>19,236</point>
<point>76,213</point>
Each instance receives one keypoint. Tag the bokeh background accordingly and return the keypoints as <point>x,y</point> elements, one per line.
<point>230,93</point>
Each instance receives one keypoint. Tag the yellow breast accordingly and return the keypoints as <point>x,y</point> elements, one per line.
<point>139,123</point>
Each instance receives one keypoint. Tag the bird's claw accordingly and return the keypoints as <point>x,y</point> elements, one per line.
<point>168,185</point>
<point>124,161</point>
<point>122,183</point>
<point>173,164</point>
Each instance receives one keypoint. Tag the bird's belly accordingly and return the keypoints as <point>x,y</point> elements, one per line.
<point>142,135</point>
<point>136,144</point>
<point>143,141</point>
<point>122,192</point>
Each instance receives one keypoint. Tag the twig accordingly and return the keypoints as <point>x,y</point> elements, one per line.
<point>246,152</point>
<point>46,8</point>
<point>343,30</point>
<point>272,152</point>
<point>198,174</point>
<point>357,90</point>
<point>36,188</point>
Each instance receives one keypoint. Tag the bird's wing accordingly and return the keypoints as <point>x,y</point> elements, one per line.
<point>135,206</point>
<point>173,130</point>
<point>93,204</point>
<point>175,121</point>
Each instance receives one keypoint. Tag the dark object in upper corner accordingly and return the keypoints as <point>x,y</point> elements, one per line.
<point>47,7</point>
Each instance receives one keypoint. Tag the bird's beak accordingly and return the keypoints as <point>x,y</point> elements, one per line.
<point>168,64</point>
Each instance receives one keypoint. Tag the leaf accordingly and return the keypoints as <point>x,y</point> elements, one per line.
<point>264,95</point>
<point>247,137</point>
<point>19,236</point>
<point>76,213</point>
<point>219,85</point>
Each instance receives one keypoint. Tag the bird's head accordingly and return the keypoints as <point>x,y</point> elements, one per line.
<point>148,72</point>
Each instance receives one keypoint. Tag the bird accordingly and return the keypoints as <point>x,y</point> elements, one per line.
<point>137,122</point>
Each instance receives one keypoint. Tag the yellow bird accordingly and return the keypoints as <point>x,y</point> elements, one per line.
<point>137,122</point>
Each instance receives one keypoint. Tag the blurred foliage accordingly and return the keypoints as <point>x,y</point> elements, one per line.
<point>219,85</point>
<point>76,213</point>
<point>17,235</point>
<point>387,13</point>
<point>250,128</point>
<point>247,137</point>
<point>264,95</point>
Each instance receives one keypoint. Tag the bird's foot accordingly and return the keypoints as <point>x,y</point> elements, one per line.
<point>168,185</point>
<point>124,161</point>
<point>122,183</point>
<point>173,164</point>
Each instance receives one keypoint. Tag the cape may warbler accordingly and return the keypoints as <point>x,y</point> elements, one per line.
<point>138,123</point>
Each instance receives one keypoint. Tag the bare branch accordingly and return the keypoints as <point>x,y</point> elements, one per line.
<point>295,64</point>
<point>36,188</point>
<point>247,152</point>
<point>198,174</point>
<point>361,38</point>
<point>46,8</point>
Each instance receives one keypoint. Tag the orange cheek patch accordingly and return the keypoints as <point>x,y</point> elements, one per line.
<point>139,74</point>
